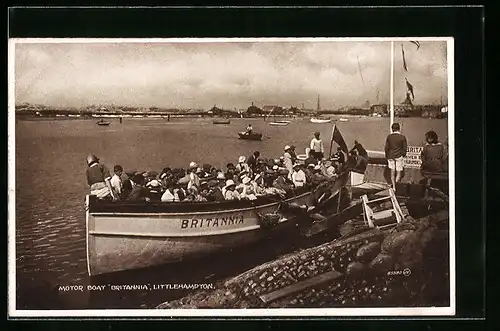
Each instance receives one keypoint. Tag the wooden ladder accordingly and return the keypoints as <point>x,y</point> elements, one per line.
<point>385,218</point>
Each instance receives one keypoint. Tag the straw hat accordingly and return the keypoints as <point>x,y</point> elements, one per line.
<point>287,147</point>
<point>275,167</point>
<point>92,158</point>
<point>230,183</point>
<point>241,159</point>
<point>193,165</point>
<point>154,183</point>
<point>221,176</point>
<point>246,180</point>
<point>311,165</point>
<point>317,167</point>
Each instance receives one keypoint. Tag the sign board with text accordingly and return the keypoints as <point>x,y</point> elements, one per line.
<point>413,159</point>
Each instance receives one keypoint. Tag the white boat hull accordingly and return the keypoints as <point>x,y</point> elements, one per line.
<point>121,241</point>
<point>320,121</point>
<point>279,123</point>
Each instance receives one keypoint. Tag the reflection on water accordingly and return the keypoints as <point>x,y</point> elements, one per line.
<point>51,188</point>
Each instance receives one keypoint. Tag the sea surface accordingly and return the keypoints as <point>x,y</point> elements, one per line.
<point>50,189</point>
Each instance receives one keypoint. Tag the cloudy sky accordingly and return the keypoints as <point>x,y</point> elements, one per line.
<point>229,75</point>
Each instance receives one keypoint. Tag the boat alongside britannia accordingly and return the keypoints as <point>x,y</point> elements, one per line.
<point>132,235</point>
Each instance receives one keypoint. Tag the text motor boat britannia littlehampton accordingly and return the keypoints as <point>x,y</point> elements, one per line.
<point>131,235</point>
<point>250,136</point>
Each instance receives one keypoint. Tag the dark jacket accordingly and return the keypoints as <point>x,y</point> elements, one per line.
<point>395,146</point>
<point>361,150</point>
<point>433,157</point>
<point>139,193</point>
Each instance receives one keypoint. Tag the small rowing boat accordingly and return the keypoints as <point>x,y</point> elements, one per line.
<point>250,136</point>
<point>279,123</point>
<point>103,123</point>
<point>319,120</point>
<point>222,122</point>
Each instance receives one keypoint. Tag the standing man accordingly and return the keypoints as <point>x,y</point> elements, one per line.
<point>99,179</point>
<point>395,151</point>
<point>317,148</point>
<point>253,160</point>
<point>287,160</point>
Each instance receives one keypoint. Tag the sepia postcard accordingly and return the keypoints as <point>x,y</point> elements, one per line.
<point>223,177</point>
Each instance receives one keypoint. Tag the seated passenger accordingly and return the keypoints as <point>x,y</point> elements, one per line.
<point>309,172</point>
<point>258,184</point>
<point>216,191</point>
<point>271,190</point>
<point>230,192</point>
<point>127,184</point>
<point>139,192</point>
<point>329,170</point>
<point>170,195</point>
<point>154,190</point>
<point>298,176</point>
<point>248,191</point>
<point>230,170</point>
<point>310,159</point>
<point>242,166</point>
<point>318,177</point>
<point>282,182</point>
<point>433,154</point>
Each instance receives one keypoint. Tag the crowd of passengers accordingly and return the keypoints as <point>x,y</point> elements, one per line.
<point>247,179</point>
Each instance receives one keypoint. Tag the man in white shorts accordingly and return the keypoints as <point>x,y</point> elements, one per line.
<point>395,151</point>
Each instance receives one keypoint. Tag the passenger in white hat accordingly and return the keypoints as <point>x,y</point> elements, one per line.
<point>194,180</point>
<point>242,166</point>
<point>248,191</point>
<point>230,192</point>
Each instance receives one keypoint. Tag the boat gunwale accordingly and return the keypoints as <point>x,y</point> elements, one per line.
<point>220,211</point>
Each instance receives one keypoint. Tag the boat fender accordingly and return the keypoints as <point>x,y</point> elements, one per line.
<point>268,220</point>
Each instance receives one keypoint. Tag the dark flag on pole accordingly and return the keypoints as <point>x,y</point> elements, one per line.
<point>404,60</point>
<point>416,43</point>
<point>337,137</point>
<point>410,89</point>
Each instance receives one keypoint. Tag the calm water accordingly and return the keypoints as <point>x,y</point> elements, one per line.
<point>51,187</point>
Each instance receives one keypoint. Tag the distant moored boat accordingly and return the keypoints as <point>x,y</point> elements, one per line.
<point>319,120</point>
<point>221,121</point>
<point>103,123</point>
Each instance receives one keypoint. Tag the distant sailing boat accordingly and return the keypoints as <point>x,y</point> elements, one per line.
<point>278,123</point>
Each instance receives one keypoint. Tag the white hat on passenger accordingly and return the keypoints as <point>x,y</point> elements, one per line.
<point>229,183</point>
<point>246,180</point>
<point>221,175</point>
<point>287,147</point>
<point>193,165</point>
<point>241,159</point>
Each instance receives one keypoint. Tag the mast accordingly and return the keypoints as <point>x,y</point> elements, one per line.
<point>318,106</point>
<point>392,86</point>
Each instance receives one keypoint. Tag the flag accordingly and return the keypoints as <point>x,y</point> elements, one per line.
<point>407,100</point>
<point>410,89</point>
<point>404,60</point>
<point>337,137</point>
<point>416,43</point>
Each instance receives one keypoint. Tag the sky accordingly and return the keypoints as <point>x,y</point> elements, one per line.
<point>230,75</point>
